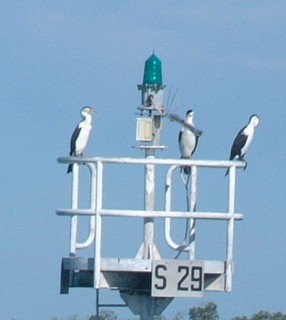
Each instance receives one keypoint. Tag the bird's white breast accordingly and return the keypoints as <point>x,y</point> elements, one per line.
<point>83,137</point>
<point>187,143</point>
<point>249,132</point>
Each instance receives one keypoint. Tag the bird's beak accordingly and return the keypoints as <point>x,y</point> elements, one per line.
<point>92,110</point>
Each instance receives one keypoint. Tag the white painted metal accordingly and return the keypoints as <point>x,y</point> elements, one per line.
<point>204,215</point>
<point>90,239</point>
<point>168,208</point>
<point>149,252</point>
<point>96,188</point>
<point>157,161</point>
<point>148,243</point>
<point>189,243</point>
<point>97,254</point>
<point>191,234</point>
<point>74,244</point>
<point>74,218</point>
<point>230,229</point>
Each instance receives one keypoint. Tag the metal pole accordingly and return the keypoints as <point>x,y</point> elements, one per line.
<point>147,308</point>
<point>230,229</point>
<point>192,222</point>
<point>147,302</point>
<point>98,235</point>
<point>149,205</point>
<point>74,219</point>
<point>97,303</point>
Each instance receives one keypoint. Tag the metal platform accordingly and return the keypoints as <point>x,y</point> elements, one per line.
<point>127,275</point>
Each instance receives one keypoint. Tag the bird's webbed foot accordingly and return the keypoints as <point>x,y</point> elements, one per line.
<point>245,164</point>
<point>244,161</point>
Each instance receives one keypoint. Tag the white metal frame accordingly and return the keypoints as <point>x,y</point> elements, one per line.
<point>96,212</point>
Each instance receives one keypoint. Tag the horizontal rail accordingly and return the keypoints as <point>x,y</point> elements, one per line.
<point>152,214</point>
<point>178,162</point>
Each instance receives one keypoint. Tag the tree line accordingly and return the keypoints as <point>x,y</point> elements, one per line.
<point>207,311</point>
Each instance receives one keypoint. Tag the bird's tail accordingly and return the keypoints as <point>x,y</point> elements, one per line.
<point>187,170</point>
<point>70,168</point>
<point>227,171</point>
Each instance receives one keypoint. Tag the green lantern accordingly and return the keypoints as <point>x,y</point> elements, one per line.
<point>153,71</point>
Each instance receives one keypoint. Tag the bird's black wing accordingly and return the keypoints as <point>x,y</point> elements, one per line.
<point>73,140</point>
<point>238,144</point>
<point>180,136</point>
<point>197,139</point>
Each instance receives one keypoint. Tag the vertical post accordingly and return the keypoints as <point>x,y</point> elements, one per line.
<point>97,254</point>
<point>92,222</point>
<point>230,229</point>
<point>149,205</point>
<point>97,303</point>
<point>74,218</point>
<point>147,310</point>
<point>151,100</point>
<point>192,222</point>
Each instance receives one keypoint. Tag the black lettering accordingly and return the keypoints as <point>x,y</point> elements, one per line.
<point>184,269</point>
<point>160,277</point>
<point>197,278</point>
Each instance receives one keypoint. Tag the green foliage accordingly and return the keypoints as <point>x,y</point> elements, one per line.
<point>263,315</point>
<point>72,317</point>
<point>207,312</point>
<point>104,315</point>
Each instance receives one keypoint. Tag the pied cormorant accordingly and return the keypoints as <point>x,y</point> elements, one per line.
<point>80,136</point>
<point>152,103</point>
<point>243,140</point>
<point>187,139</point>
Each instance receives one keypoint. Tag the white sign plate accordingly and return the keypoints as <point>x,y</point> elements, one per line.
<point>177,278</point>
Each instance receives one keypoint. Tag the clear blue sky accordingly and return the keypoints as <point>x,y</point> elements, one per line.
<point>227,59</point>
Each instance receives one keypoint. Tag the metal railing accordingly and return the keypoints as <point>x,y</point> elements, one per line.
<point>96,212</point>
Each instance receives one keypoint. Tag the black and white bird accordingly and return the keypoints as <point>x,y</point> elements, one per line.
<point>80,136</point>
<point>152,103</point>
<point>188,140</point>
<point>243,140</point>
